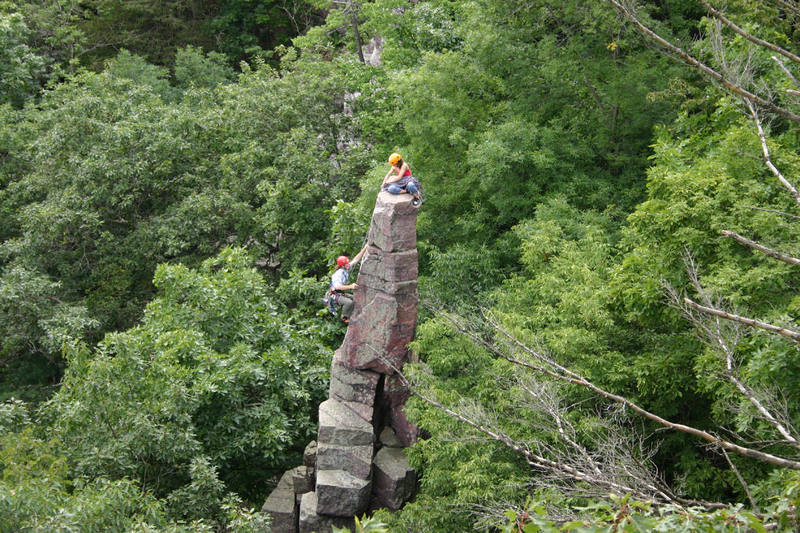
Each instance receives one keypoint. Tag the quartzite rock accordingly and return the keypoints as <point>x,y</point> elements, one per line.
<point>397,266</point>
<point>310,454</point>
<point>389,439</point>
<point>378,338</point>
<point>364,389</point>
<point>357,460</point>
<point>395,395</point>
<point>351,385</point>
<point>394,223</point>
<point>340,493</point>
<point>394,480</point>
<point>281,506</point>
<point>302,479</point>
<point>345,423</point>
<point>311,522</point>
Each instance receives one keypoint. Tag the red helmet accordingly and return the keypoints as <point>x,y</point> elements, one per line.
<point>342,260</point>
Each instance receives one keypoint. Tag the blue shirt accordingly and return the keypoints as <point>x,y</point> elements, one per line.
<point>340,277</point>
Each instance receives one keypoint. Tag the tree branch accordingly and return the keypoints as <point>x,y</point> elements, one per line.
<point>788,75</point>
<point>767,159</point>
<point>716,334</point>
<point>735,470</point>
<point>736,89</point>
<point>789,334</point>
<point>749,37</point>
<point>763,249</point>
<point>782,213</point>
<point>533,459</point>
<point>564,374</point>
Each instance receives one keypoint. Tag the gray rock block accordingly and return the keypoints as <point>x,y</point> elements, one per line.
<point>280,505</point>
<point>390,266</point>
<point>389,439</point>
<point>302,479</point>
<point>394,480</point>
<point>311,522</point>
<point>394,223</point>
<point>310,454</point>
<point>345,423</point>
<point>351,385</point>
<point>339,493</point>
<point>377,340</point>
<point>356,460</point>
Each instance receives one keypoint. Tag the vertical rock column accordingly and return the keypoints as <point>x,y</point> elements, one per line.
<point>366,398</point>
<point>374,347</point>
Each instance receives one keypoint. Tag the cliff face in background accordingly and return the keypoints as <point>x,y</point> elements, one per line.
<point>358,462</point>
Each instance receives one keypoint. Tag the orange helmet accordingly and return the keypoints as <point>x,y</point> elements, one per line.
<point>342,260</point>
<point>394,158</point>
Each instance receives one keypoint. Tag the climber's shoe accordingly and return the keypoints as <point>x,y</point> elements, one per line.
<point>416,202</point>
<point>346,321</point>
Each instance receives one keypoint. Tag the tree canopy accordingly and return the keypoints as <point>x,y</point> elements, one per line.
<point>607,255</point>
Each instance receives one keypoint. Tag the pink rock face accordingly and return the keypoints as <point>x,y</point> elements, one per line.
<point>394,223</point>
<point>395,395</point>
<point>377,338</point>
<point>386,299</point>
<point>365,390</point>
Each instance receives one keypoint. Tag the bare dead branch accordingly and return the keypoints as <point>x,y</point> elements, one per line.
<point>724,339</point>
<point>690,60</point>
<point>567,375</point>
<point>564,374</point>
<point>767,159</point>
<point>789,6</point>
<point>742,482</point>
<point>752,38</point>
<point>534,460</point>
<point>789,334</point>
<point>782,213</point>
<point>788,75</point>
<point>763,249</point>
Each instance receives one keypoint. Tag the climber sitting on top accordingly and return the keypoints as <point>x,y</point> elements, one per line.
<point>402,181</point>
<point>339,284</point>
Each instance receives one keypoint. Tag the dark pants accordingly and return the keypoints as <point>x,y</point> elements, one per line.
<point>346,304</point>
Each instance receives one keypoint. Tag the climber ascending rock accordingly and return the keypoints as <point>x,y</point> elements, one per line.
<point>336,294</point>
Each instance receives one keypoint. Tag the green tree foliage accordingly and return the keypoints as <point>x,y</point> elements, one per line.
<point>21,70</point>
<point>212,378</point>
<point>212,393</point>
<point>594,298</point>
<point>499,106</point>
<point>118,171</point>
<point>569,170</point>
<point>92,31</point>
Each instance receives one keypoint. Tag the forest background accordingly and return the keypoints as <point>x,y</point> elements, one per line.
<point>177,177</point>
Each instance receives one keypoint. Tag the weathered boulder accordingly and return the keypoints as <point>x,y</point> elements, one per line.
<point>383,266</point>
<point>302,479</point>
<point>394,480</point>
<point>357,460</point>
<point>310,454</point>
<point>372,51</point>
<point>377,339</point>
<point>365,392</point>
<point>345,423</point>
<point>340,493</point>
<point>394,223</point>
<point>389,438</point>
<point>280,505</point>
<point>311,522</point>
<point>349,384</point>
